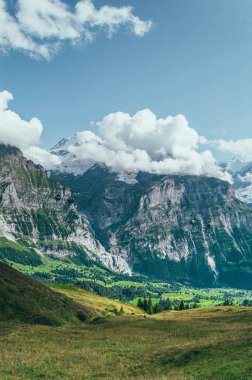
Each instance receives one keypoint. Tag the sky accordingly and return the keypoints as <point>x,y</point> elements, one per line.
<point>190,57</point>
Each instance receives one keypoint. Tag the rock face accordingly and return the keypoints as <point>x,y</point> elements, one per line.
<point>173,228</point>
<point>40,212</point>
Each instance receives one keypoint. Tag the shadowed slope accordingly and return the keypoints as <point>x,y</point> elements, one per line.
<point>26,300</point>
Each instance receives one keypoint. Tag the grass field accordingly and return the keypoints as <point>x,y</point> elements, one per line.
<point>71,333</point>
<point>100,306</point>
<point>195,344</point>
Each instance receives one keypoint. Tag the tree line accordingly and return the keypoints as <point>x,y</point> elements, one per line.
<point>147,305</point>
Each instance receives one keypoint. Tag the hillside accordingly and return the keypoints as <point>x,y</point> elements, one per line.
<point>100,306</point>
<point>25,300</point>
<point>198,344</point>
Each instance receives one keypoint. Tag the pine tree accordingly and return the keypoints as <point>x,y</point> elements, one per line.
<point>140,303</point>
<point>149,306</point>
<point>160,307</point>
<point>145,305</point>
<point>167,304</point>
<point>155,309</point>
<point>181,305</point>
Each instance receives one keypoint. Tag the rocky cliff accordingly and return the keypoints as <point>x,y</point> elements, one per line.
<point>41,213</point>
<point>175,228</point>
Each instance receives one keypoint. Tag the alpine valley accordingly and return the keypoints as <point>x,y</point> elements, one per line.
<point>90,222</point>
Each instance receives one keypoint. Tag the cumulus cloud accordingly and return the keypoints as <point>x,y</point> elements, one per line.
<point>23,134</point>
<point>144,142</point>
<point>39,27</point>
<point>14,130</point>
<point>124,143</point>
<point>242,147</point>
<point>42,157</point>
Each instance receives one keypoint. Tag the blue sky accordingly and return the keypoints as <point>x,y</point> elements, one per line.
<point>196,60</point>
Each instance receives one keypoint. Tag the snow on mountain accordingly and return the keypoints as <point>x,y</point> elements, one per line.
<point>233,166</point>
<point>241,172</point>
<point>69,163</point>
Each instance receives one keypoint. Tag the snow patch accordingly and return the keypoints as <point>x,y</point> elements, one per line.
<point>129,178</point>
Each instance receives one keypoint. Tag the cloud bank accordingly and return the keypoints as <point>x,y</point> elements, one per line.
<point>124,143</point>
<point>143,142</point>
<point>40,27</point>
<point>242,147</point>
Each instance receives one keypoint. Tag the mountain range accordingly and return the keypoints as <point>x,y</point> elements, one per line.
<point>189,229</point>
<point>240,171</point>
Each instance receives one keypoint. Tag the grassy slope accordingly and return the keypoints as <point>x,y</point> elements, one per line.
<point>100,305</point>
<point>198,344</point>
<point>26,300</point>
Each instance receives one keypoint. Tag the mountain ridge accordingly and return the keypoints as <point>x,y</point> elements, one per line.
<point>240,171</point>
<point>184,228</point>
<point>39,211</point>
<point>172,228</point>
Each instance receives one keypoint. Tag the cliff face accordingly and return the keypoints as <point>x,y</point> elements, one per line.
<point>169,227</point>
<point>41,213</point>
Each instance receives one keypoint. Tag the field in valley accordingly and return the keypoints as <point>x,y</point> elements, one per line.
<point>204,297</point>
<point>70,333</point>
<point>195,344</point>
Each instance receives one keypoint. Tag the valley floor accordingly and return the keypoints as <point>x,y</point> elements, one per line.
<point>196,344</point>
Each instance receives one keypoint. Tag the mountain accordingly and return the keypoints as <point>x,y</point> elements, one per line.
<point>25,300</point>
<point>174,228</point>
<point>70,163</point>
<point>241,173</point>
<point>189,229</point>
<point>39,216</point>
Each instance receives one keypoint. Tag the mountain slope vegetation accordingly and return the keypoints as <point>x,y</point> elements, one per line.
<point>26,300</point>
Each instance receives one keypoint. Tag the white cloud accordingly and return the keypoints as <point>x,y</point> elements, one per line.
<point>13,37</point>
<point>23,134</point>
<point>42,157</point>
<point>242,148</point>
<point>39,27</point>
<point>144,142</point>
<point>125,143</point>
<point>14,130</point>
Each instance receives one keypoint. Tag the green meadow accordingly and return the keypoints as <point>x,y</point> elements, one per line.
<point>203,297</point>
<point>195,344</point>
<point>65,332</point>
